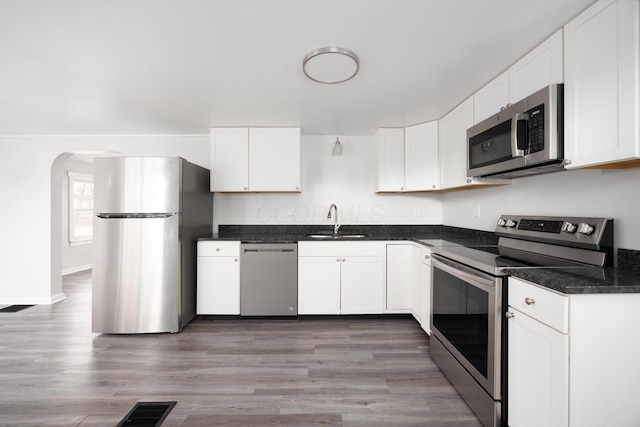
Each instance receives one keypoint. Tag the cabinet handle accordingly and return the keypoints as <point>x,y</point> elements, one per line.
<point>343,259</point>
<point>509,315</point>
<point>468,180</point>
<point>529,301</point>
<point>235,259</point>
<point>246,188</point>
<point>217,249</point>
<point>426,257</point>
<point>338,259</point>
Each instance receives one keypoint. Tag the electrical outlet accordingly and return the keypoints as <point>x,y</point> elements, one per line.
<point>476,211</point>
<point>385,210</point>
<point>416,211</point>
<point>259,211</point>
<point>290,212</point>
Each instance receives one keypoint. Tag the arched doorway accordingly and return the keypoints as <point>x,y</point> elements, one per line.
<point>67,254</point>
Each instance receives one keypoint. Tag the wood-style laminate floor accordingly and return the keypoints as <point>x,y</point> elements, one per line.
<point>236,372</point>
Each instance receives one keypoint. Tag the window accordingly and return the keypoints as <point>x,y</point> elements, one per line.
<point>80,208</point>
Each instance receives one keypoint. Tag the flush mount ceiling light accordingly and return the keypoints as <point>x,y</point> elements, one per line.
<point>330,65</point>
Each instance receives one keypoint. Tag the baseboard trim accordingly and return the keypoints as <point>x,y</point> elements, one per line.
<point>34,301</point>
<point>77,269</point>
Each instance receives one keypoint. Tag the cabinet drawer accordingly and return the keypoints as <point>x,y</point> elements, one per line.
<point>543,305</point>
<point>218,248</point>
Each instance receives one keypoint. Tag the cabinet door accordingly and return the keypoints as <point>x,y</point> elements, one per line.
<point>274,159</point>
<point>399,276</point>
<point>229,159</point>
<point>423,291</point>
<point>390,162</point>
<point>453,145</point>
<point>491,98</point>
<point>363,281</point>
<point>601,84</point>
<point>539,68</point>
<point>218,285</point>
<point>421,170</point>
<point>319,285</point>
<point>538,373</point>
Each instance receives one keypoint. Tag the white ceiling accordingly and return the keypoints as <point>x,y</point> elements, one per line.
<point>181,66</point>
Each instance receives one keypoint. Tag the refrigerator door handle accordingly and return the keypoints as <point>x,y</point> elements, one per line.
<point>134,215</point>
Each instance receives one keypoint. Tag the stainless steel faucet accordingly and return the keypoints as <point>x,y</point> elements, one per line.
<point>336,226</point>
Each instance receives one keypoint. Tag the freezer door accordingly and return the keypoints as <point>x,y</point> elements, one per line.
<point>136,275</point>
<point>137,184</point>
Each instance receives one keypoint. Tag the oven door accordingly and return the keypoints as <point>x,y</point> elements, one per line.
<point>466,307</point>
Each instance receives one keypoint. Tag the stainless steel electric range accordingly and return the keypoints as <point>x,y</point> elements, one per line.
<point>469,296</point>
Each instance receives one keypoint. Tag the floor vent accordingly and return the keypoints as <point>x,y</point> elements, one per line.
<point>14,308</point>
<point>147,414</point>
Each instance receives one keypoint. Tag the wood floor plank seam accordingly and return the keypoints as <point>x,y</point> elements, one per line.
<point>347,372</point>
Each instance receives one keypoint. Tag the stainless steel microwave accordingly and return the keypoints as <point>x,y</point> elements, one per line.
<point>524,138</point>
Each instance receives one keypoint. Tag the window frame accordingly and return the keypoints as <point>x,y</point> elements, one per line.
<point>74,239</point>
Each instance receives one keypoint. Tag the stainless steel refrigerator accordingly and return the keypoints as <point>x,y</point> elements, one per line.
<point>148,213</point>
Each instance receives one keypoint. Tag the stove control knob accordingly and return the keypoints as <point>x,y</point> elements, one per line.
<point>501,222</point>
<point>568,227</point>
<point>511,223</point>
<point>585,228</point>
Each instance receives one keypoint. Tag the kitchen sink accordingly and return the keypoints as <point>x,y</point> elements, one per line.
<point>337,236</point>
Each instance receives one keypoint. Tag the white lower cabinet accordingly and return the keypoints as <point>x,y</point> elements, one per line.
<point>341,277</point>
<point>421,296</point>
<point>218,278</point>
<point>362,285</point>
<point>318,284</point>
<point>538,373</point>
<point>572,361</point>
<point>409,281</point>
<point>400,277</point>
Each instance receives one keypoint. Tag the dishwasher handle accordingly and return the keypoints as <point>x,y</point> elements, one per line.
<point>267,250</point>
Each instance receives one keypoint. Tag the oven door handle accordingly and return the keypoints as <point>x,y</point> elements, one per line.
<point>475,277</point>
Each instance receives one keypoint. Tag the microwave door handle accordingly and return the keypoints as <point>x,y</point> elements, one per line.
<point>515,150</point>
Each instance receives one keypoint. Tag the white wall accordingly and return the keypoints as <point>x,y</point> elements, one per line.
<point>597,193</point>
<point>74,257</point>
<point>30,256</point>
<point>31,233</point>
<point>347,181</point>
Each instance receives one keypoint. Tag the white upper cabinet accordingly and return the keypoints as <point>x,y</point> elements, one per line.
<point>601,91</point>
<point>421,171</point>
<point>539,68</point>
<point>390,162</point>
<point>274,159</point>
<point>452,144</point>
<point>255,159</point>
<point>491,98</point>
<point>407,158</point>
<point>229,159</point>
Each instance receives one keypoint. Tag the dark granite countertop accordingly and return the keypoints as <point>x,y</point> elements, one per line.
<point>625,278</point>
<point>429,235</point>
<point>589,280</point>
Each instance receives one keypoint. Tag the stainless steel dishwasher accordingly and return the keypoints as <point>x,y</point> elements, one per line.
<point>269,279</point>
